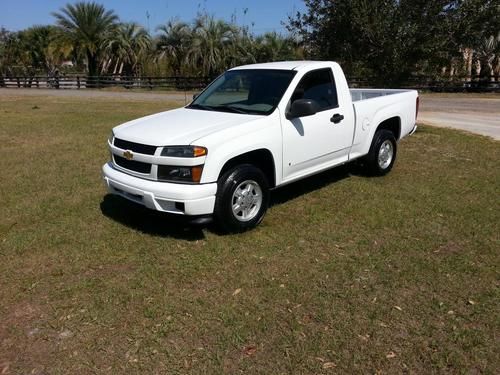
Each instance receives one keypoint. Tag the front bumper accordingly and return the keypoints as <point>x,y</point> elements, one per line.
<point>412,131</point>
<point>179,199</point>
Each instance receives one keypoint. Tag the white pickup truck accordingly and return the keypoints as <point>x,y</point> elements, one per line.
<point>255,128</point>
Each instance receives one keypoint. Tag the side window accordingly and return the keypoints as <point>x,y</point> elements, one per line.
<point>318,85</point>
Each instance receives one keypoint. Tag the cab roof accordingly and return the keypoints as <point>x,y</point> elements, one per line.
<point>287,65</point>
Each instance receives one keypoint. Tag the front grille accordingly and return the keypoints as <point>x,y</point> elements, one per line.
<point>136,147</point>
<point>133,165</point>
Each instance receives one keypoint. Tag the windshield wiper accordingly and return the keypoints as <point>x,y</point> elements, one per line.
<point>228,108</point>
<point>222,108</point>
<point>201,106</point>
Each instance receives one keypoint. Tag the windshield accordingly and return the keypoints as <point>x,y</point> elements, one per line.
<point>252,91</point>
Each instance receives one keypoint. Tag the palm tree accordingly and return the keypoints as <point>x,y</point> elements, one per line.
<point>243,50</point>
<point>44,48</point>
<point>30,51</point>
<point>4,38</point>
<point>127,47</point>
<point>174,43</point>
<point>212,42</point>
<point>486,53</point>
<point>274,47</point>
<point>87,25</point>
<point>11,57</point>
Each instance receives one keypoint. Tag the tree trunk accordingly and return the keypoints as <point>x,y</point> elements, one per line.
<point>478,67</point>
<point>497,69</point>
<point>492,72</point>
<point>106,65</point>
<point>92,68</point>
<point>468,58</point>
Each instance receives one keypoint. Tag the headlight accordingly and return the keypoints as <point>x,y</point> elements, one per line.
<point>184,151</point>
<point>111,138</point>
<point>180,174</point>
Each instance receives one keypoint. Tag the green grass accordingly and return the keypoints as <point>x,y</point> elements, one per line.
<point>345,274</point>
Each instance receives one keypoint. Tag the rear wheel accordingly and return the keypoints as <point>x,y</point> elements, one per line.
<point>382,154</point>
<point>242,198</point>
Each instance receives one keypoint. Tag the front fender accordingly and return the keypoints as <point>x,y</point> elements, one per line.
<point>264,134</point>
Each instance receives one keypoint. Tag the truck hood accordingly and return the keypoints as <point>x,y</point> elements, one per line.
<point>181,126</point>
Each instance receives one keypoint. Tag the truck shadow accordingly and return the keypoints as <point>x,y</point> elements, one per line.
<point>155,223</point>
<point>310,184</point>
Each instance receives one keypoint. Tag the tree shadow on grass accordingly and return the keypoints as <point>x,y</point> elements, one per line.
<point>149,221</point>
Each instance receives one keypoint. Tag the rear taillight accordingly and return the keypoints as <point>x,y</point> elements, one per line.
<point>417,108</point>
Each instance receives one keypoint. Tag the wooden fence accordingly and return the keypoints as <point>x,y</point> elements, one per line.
<point>469,84</point>
<point>83,82</point>
<point>197,83</point>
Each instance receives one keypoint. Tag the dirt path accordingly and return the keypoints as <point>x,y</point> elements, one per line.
<point>476,113</point>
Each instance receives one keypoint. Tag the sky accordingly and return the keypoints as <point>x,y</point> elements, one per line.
<point>262,15</point>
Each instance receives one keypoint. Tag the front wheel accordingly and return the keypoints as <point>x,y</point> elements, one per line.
<point>242,198</point>
<point>382,154</point>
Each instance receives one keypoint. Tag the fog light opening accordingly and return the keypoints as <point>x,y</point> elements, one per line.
<point>180,206</point>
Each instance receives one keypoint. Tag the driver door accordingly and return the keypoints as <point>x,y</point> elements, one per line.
<point>324,139</point>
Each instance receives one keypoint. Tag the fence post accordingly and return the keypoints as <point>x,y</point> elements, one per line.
<point>78,82</point>
<point>18,83</point>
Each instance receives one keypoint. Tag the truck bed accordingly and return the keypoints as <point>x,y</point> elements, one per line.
<point>373,106</point>
<point>365,94</point>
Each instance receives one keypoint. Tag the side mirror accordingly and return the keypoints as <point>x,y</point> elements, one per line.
<point>302,108</point>
<point>195,96</point>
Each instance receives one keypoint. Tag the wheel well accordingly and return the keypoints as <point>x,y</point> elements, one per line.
<point>392,124</point>
<point>262,159</point>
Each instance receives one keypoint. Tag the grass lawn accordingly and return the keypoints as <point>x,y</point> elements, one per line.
<point>345,274</point>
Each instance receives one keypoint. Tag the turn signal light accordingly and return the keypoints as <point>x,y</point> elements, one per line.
<point>199,151</point>
<point>196,173</point>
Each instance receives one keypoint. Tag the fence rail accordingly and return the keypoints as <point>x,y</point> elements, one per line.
<point>469,84</point>
<point>198,83</point>
<point>83,82</point>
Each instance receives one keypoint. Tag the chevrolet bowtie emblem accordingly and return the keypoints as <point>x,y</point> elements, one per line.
<point>128,155</point>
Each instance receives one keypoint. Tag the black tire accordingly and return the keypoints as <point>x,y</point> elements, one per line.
<point>371,162</point>
<point>224,216</point>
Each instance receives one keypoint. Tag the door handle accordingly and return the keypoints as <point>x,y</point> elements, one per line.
<point>336,118</point>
